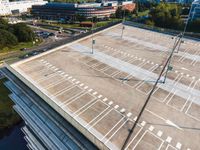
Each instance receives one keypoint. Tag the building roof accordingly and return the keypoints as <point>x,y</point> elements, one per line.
<point>101,94</point>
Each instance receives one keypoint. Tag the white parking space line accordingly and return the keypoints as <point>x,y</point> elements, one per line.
<point>116,106</point>
<point>116,131</point>
<point>171,99</point>
<point>92,102</point>
<point>105,99</point>
<point>143,123</point>
<point>169,139</point>
<point>112,128</point>
<point>88,124</point>
<point>151,128</point>
<point>188,99</point>
<point>159,133</point>
<point>122,110</point>
<point>162,141</point>
<point>85,87</point>
<point>94,93</point>
<point>100,119</point>
<point>170,147</point>
<point>189,115</point>
<point>129,114</point>
<point>110,103</point>
<point>63,90</point>
<point>77,82</point>
<point>76,98</point>
<point>178,145</point>
<point>99,96</point>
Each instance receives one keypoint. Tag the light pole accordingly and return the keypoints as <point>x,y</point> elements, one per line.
<point>93,41</point>
<point>123,27</point>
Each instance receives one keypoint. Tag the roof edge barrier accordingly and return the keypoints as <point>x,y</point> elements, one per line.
<point>16,61</point>
<point>25,79</point>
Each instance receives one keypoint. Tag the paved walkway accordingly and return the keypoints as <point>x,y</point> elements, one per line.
<point>140,73</point>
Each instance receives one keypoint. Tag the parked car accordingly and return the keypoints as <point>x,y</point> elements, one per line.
<point>23,49</point>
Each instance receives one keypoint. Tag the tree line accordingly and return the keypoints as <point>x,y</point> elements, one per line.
<point>169,16</point>
<point>12,34</point>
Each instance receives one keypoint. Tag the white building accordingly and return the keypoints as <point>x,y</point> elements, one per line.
<point>7,8</point>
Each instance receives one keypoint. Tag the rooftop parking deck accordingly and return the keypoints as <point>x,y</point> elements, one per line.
<point>101,94</point>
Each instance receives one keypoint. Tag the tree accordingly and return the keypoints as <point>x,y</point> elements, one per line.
<point>194,26</point>
<point>3,24</point>
<point>185,11</point>
<point>120,13</point>
<point>23,32</point>
<point>149,22</point>
<point>166,16</point>
<point>7,39</point>
<point>80,18</point>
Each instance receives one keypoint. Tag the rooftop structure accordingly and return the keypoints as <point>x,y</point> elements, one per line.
<point>101,94</point>
<point>69,11</point>
<point>8,8</point>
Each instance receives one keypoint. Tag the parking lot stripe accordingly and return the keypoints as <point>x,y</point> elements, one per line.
<point>88,124</point>
<point>77,82</point>
<point>94,93</point>
<point>99,96</point>
<point>90,90</point>
<point>110,103</point>
<point>151,128</point>
<point>135,118</point>
<point>100,119</point>
<point>112,128</point>
<point>143,123</point>
<point>85,87</point>
<point>178,145</point>
<point>78,112</point>
<point>129,114</point>
<point>169,139</point>
<point>134,137</point>
<point>159,133</point>
<point>116,106</point>
<point>105,99</point>
<point>122,110</point>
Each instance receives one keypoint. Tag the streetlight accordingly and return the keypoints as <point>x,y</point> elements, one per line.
<point>123,27</point>
<point>93,41</point>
